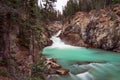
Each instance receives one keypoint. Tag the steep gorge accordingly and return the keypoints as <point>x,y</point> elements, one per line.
<point>22,36</point>
<point>95,29</point>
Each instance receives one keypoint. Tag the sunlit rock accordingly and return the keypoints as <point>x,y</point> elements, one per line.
<point>96,29</point>
<point>62,71</point>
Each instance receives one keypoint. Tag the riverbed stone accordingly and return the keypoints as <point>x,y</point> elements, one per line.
<point>62,71</point>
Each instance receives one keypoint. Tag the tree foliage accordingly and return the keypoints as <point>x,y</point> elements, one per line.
<point>38,70</point>
<point>48,13</point>
<point>26,17</point>
<point>86,5</point>
<point>48,4</point>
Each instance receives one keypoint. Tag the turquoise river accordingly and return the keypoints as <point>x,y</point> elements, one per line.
<point>83,63</point>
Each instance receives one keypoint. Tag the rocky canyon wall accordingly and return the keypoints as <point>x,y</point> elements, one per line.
<point>96,29</point>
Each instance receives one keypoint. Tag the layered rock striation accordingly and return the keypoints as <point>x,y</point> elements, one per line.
<point>96,29</point>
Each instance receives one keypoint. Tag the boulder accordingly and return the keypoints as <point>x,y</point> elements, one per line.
<point>62,71</point>
<point>52,63</point>
<point>50,59</point>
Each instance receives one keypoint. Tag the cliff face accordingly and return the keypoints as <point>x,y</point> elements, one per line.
<point>54,27</point>
<point>97,29</point>
<point>15,56</point>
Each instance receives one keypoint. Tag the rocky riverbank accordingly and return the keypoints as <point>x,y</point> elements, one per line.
<point>96,29</point>
<point>54,68</point>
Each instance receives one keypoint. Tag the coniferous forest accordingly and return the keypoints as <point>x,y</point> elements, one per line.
<point>26,29</point>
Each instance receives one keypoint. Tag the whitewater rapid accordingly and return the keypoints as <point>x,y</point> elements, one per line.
<point>91,71</point>
<point>58,43</point>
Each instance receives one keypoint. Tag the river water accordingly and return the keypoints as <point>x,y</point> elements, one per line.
<point>83,63</point>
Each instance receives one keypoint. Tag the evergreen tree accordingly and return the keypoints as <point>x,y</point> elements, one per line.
<point>24,16</point>
<point>74,6</point>
<point>48,4</point>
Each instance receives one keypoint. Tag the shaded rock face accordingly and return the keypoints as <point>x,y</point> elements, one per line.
<point>13,54</point>
<point>48,30</point>
<point>16,58</point>
<point>98,29</point>
<point>54,27</point>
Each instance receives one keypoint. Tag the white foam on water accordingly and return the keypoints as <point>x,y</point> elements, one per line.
<point>85,76</point>
<point>73,76</point>
<point>58,43</point>
<point>58,33</point>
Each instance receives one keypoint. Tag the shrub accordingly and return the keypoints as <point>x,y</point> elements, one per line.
<point>38,69</point>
